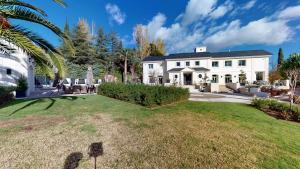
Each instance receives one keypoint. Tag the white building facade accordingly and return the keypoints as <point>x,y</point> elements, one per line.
<point>15,63</point>
<point>219,68</point>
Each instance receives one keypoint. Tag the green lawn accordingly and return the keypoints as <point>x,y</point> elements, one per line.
<point>42,133</point>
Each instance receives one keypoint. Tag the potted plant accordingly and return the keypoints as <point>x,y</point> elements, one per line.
<point>22,87</point>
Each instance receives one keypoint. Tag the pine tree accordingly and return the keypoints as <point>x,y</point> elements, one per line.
<point>85,52</point>
<point>66,48</point>
<point>280,57</point>
<point>101,44</point>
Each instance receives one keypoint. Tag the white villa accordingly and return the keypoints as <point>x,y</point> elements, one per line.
<point>15,63</point>
<point>217,69</point>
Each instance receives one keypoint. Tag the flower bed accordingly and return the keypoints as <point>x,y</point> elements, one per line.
<point>142,94</point>
<point>278,109</point>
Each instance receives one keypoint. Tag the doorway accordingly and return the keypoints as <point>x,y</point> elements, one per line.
<point>187,78</point>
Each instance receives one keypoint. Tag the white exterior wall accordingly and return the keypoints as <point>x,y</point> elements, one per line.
<point>19,64</point>
<point>158,70</point>
<point>253,65</point>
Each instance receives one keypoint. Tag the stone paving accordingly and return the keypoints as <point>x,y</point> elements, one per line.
<point>214,97</point>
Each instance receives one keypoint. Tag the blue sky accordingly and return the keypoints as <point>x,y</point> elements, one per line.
<point>221,25</point>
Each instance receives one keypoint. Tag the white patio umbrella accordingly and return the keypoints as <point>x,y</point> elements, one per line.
<point>90,76</point>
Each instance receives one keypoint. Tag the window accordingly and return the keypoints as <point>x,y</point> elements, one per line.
<point>215,64</point>
<point>200,76</point>
<point>197,63</point>
<point>150,66</point>
<point>176,76</point>
<point>259,76</point>
<point>242,62</point>
<point>242,78</point>
<point>81,81</point>
<point>228,63</point>
<point>151,79</point>
<point>228,79</point>
<point>160,79</point>
<point>8,71</point>
<point>215,79</point>
<point>187,63</point>
<point>177,64</point>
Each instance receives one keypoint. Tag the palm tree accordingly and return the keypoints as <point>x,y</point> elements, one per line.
<point>43,52</point>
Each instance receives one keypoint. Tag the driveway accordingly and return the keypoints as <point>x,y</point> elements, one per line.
<point>213,97</point>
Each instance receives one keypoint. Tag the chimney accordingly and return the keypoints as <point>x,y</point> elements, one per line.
<point>200,49</point>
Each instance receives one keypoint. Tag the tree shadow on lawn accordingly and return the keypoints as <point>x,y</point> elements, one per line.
<point>33,102</point>
<point>72,161</point>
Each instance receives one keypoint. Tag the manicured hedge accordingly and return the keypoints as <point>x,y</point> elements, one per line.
<point>281,108</point>
<point>142,94</point>
<point>6,94</point>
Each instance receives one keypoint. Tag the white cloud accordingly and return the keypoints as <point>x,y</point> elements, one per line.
<point>222,10</point>
<point>263,31</point>
<point>197,9</point>
<point>177,37</point>
<point>290,12</point>
<point>249,5</point>
<point>115,13</point>
<point>189,31</point>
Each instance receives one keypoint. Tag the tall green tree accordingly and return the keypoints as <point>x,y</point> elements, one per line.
<point>291,70</point>
<point>101,44</point>
<point>114,46</point>
<point>85,52</point>
<point>66,48</point>
<point>280,57</point>
<point>44,53</point>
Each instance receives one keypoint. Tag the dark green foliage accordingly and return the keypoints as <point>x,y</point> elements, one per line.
<point>85,52</point>
<point>154,51</point>
<point>79,71</point>
<point>280,57</point>
<point>22,84</point>
<point>280,107</point>
<point>101,45</point>
<point>149,96</point>
<point>66,48</point>
<point>6,94</point>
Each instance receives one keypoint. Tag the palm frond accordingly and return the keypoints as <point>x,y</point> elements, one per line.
<point>45,68</point>
<point>25,44</point>
<point>38,40</point>
<point>58,61</point>
<point>60,2</point>
<point>28,15</point>
<point>14,3</point>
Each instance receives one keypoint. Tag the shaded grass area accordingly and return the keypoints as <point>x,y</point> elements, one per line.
<point>185,135</point>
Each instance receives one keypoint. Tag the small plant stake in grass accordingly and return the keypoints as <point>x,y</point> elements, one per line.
<point>95,150</point>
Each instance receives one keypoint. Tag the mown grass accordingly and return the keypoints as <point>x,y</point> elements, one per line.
<point>183,135</point>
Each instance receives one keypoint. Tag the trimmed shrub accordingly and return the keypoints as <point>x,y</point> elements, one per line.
<point>282,108</point>
<point>6,94</point>
<point>142,94</point>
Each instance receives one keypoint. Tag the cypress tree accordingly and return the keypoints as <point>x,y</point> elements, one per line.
<point>66,48</point>
<point>280,57</point>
